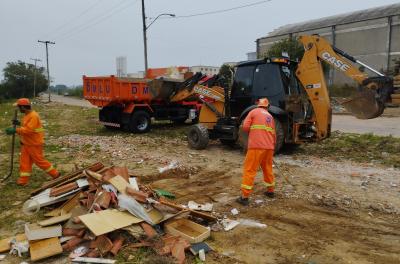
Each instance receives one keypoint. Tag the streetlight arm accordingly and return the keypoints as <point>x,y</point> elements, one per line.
<point>165,14</point>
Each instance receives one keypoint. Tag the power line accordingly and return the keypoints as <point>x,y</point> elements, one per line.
<point>96,21</point>
<point>222,10</point>
<point>96,18</point>
<point>72,19</point>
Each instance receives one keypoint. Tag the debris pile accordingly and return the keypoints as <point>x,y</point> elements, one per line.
<point>94,212</point>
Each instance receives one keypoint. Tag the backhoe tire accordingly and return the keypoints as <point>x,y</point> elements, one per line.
<point>280,137</point>
<point>198,137</point>
<point>140,122</point>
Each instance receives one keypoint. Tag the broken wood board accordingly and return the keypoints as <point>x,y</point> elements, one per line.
<point>66,207</point>
<point>77,211</point>
<point>55,220</point>
<point>119,183</point>
<point>106,221</point>
<point>35,232</point>
<point>41,249</point>
<point>189,230</point>
<point>5,243</point>
<point>94,167</point>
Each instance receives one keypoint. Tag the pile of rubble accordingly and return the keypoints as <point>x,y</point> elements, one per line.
<point>94,212</point>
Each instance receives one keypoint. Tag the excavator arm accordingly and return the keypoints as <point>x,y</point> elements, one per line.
<point>369,101</point>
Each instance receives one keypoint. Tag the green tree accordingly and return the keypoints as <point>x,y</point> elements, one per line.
<point>18,80</point>
<point>290,45</point>
<point>225,72</point>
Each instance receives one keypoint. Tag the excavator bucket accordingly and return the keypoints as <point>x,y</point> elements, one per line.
<point>364,105</point>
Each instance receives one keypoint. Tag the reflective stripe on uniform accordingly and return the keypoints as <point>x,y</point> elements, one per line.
<point>269,184</point>
<point>38,130</point>
<point>25,174</point>
<point>50,169</point>
<point>262,127</point>
<point>247,187</point>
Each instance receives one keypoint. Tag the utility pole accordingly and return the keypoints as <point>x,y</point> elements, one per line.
<point>144,38</point>
<point>47,60</point>
<point>34,77</point>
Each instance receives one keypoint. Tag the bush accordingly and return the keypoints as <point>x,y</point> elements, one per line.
<point>77,91</point>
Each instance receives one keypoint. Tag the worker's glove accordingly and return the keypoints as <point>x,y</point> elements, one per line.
<point>16,122</point>
<point>10,131</point>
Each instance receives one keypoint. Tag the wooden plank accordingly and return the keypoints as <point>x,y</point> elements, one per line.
<point>106,221</point>
<point>5,243</point>
<point>55,220</point>
<point>95,167</point>
<point>35,232</point>
<point>41,249</point>
<point>93,260</point>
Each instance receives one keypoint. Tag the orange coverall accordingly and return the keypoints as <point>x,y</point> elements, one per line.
<point>261,143</point>
<point>31,135</point>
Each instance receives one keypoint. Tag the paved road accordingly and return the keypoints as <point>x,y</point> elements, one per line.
<point>66,100</point>
<point>383,126</point>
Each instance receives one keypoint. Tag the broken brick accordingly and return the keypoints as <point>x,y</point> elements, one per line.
<point>102,243</point>
<point>104,200</point>
<point>94,253</point>
<point>117,244</point>
<point>178,251</point>
<point>71,231</point>
<point>149,230</point>
<point>72,243</point>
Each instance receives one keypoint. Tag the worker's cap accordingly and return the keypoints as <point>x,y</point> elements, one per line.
<point>263,102</point>
<point>22,101</point>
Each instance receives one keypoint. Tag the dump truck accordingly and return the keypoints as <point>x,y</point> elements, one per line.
<point>131,103</point>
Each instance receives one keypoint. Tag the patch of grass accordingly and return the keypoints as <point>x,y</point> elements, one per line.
<point>357,147</point>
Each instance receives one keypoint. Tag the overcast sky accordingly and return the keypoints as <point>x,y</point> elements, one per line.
<point>90,34</point>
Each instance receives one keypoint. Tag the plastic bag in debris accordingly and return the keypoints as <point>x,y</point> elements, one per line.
<point>135,208</point>
<point>251,223</point>
<point>18,247</point>
<point>229,224</point>
<point>172,165</point>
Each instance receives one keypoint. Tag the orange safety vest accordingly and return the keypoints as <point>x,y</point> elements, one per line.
<point>31,130</point>
<point>261,128</point>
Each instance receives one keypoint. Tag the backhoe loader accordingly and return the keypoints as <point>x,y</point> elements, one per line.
<point>298,95</point>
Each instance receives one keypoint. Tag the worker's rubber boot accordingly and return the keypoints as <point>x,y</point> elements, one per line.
<point>270,194</point>
<point>23,180</point>
<point>243,201</point>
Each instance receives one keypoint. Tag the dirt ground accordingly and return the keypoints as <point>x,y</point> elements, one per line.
<point>325,211</point>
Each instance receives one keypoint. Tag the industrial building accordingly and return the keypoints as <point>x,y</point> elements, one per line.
<point>372,36</point>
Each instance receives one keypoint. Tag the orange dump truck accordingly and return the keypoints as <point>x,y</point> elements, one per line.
<point>131,103</point>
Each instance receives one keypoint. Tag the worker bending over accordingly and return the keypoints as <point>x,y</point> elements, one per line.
<point>259,124</point>
<point>31,138</point>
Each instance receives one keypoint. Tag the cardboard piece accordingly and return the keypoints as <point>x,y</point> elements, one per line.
<point>5,243</point>
<point>55,220</point>
<point>41,249</point>
<point>108,220</point>
<point>35,232</point>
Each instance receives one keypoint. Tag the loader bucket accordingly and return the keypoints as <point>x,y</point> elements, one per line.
<point>364,105</point>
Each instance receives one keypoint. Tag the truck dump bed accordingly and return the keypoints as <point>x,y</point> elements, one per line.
<point>104,91</point>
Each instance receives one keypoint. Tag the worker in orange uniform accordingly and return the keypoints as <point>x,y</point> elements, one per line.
<point>260,126</point>
<point>31,138</point>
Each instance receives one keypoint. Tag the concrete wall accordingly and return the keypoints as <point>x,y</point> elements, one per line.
<point>375,42</point>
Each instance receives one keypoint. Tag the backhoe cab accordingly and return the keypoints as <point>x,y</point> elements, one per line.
<point>298,95</point>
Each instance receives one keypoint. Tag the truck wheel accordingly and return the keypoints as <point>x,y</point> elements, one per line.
<point>198,137</point>
<point>280,136</point>
<point>140,122</point>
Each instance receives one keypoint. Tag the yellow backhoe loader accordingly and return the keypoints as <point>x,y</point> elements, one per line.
<point>297,92</point>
